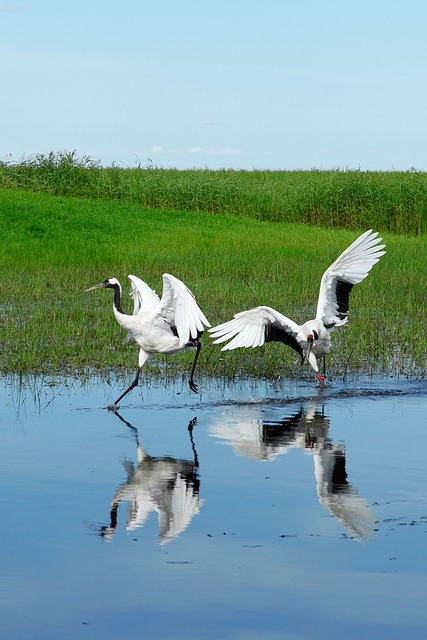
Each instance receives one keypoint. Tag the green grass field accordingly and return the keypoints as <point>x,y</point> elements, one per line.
<point>53,248</point>
<point>391,201</point>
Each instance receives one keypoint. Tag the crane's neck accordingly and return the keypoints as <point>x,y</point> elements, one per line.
<point>117,297</point>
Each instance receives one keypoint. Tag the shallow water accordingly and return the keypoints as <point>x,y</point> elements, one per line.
<point>251,510</point>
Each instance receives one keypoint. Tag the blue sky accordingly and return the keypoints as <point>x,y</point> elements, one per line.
<point>243,84</point>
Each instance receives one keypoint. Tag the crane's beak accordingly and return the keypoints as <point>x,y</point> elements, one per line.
<point>310,340</point>
<point>101,285</point>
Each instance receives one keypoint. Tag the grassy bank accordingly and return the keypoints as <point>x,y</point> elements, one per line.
<point>393,201</point>
<point>53,248</point>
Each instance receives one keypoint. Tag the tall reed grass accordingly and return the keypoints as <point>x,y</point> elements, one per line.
<point>393,201</point>
<point>53,248</point>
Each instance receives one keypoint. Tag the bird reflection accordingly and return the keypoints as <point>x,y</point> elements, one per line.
<point>245,430</point>
<point>165,485</point>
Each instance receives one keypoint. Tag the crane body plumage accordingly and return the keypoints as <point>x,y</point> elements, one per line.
<point>164,325</point>
<point>311,340</point>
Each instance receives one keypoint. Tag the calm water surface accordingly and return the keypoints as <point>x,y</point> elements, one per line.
<point>249,511</point>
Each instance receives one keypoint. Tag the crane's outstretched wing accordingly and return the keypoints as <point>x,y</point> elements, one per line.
<point>349,269</point>
<point>256,326</point>
<point>144,298</point>
<point>180,309</point>
<point>338,496</point>
<point>177,505</point>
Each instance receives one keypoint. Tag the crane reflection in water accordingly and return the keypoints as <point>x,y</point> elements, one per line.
<point>165,485</point>
<point>307,428</point>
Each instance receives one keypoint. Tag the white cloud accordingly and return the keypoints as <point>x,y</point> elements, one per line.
<point>202,152</point>
<point>227,152</point>
<point>216,152</point>
<point>13,9</point>
<point>211,123</point>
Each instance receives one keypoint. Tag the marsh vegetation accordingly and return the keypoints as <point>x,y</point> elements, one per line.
<point>390,201</point>
<point>67,223</point>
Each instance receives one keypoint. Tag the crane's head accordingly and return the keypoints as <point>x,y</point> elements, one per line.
<point>312,336</point>
<point>109,283</point>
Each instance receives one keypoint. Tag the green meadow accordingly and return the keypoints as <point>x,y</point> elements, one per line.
<point>391,201</point>
<point>57,242</point>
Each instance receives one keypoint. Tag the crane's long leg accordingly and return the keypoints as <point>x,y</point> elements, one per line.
<point>113,407</point>
<point>191,382</point>
<point>324,366</point>
<point>191,426</point>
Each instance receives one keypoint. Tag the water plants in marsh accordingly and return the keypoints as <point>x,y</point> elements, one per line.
<point>392,201</point>
<point>56,247</point>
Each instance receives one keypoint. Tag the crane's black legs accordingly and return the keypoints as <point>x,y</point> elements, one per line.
<point>113,407</point>
<point>324,366</point>
<point>191,426</point>
<point>193,385</point>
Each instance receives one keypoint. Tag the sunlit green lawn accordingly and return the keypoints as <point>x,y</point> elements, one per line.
<point>53,248</point>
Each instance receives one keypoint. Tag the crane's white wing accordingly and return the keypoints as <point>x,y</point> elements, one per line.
<point>338,496</point>
<point>144,298</point>
<point>180,309</point>
<point>177,508</point>
<point>256,326</point>
<point>349,269</point>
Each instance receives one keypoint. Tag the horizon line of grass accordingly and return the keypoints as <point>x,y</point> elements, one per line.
<point>54,248</point>
<point>393,201</point>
